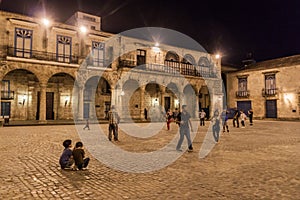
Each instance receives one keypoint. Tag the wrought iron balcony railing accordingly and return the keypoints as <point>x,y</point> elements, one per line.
<point>242,94</point>
<point>174,68</point>
<point>269,92</point>
<point>7,95</point>
<point>41,55</point>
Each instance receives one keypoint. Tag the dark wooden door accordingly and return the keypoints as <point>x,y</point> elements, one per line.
<point>37,116</point>
<point>5,109</point>
<point>244,106</point>
<point>167,103</point>
<point>49,105</point>
<point>86,110</point>
<point>271,109</point>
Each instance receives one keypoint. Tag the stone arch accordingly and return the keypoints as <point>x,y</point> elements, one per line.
<point>154,100</point>
<point>172,96</point>
<point>189,99</point>
<point>59,97</point>
<point>172,56</point>
<point>204,67</point>
<point>11,69</point>
<point>130,99</point>
<point>203,61</point>
<point>19,94</point>
<point>204,100</point>
<point>189,59</point>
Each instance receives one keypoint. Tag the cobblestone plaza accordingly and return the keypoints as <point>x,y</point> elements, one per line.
<point>259,162</point>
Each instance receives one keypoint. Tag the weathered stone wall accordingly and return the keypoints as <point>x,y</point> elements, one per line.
<point>287,82</point>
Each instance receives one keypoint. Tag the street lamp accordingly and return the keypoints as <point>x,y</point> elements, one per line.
<point>83,29</point>
<point>46,22</point>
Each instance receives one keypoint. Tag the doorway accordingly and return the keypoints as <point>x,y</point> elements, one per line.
<point>167,103</point>
<point>271,108</point>
<point>5,109</point>
<point>49,105</point>
<point>244,106</point>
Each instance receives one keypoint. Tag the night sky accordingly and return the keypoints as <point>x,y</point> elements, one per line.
<point>266,28</point>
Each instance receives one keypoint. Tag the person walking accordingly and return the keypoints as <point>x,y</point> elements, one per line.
<point>113,121</point>
<point>169,117</point>
<point>175,116</point>
<point>225,121</point>
<point>184,129</point>
<point>216,126</point>
<point>236,117</point>
<point>87,125</point>
<point>250,115</point>
<point>243,118</point>
<point>202,116</point>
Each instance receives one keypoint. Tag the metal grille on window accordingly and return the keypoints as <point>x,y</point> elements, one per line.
<point>64,49</point>
<point>98,54</point>
<point>23,42</point>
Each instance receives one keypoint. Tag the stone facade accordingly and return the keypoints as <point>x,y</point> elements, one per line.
<point>57,72</point>
<point>271,88</point>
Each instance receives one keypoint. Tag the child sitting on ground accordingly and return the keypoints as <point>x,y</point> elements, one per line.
<point>66,159</point>
<point>78,155</point>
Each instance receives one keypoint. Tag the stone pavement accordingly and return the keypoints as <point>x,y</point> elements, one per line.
<point>259,162</point>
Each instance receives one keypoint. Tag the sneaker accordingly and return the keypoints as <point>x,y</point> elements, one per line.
<point>227,131</point>
<point>179,150</point>
<point>190,150</point>
<point>116,140</point>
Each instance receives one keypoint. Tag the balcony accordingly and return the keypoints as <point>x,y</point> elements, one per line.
<point>269,92</point>
<point>172,67</point>
<point>41,55</point>
<point>7,95</point>
<point>127,63</point>
<point>242,94</point>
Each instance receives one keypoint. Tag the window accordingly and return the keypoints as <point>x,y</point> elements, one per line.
<point>204,65</point>
<point>242,84</point>
<point>270,84</point>
<point>98,54</point>
<point>88,18</point>
<point>5,109</point>
<point>5,90</point>
<point>23,42</point>
<point>63,48</point>
<point>242,87</point>
<point>141,57</point>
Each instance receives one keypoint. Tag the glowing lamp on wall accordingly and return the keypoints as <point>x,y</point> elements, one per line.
<point>24,99</point>
<point>67,99</point>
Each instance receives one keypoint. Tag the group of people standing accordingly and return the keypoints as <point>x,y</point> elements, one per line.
<point>239,115</point>
<point>76,157</point>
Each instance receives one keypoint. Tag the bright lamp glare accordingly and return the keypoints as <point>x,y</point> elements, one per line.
<point>46,22</point>
<point>83,29</point>
<point>218,56</point>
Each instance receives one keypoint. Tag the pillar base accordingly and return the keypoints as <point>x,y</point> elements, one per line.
<point>42,121</point>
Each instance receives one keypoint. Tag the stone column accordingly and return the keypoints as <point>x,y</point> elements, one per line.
<point>162,95</point>
<point>142,99</point>
<point>80,103</point>
<point>113,96</point>
<point>197,106</point>
<point>43,87</point>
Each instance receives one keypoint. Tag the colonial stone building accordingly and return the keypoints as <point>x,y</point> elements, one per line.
<point>74,70</point>
<point>271,88</point>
